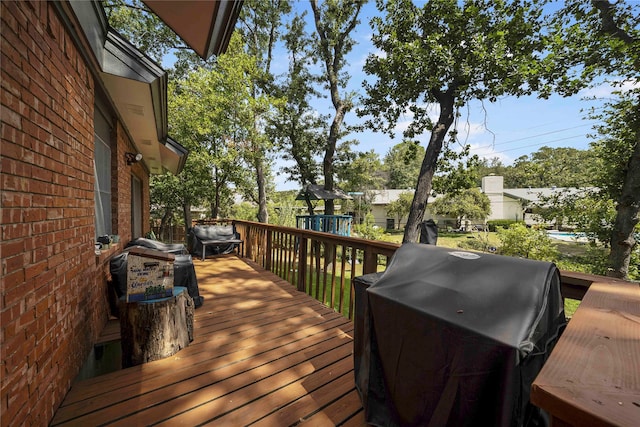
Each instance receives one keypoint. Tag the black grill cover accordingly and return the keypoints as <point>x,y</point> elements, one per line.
<point>172,248</point>
<point>454,338</point>
<point>428,232</point>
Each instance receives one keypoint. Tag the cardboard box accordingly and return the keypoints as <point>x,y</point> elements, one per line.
<point>149,274</point>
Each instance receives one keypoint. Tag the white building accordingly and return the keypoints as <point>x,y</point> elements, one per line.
<point>506,203</point>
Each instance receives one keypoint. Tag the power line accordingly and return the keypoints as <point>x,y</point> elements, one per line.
<point>531,137</point>
<point>538,144</point>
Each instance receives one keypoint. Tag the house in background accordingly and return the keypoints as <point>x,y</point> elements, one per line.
<point>79,104</point>
<point>506,203</point>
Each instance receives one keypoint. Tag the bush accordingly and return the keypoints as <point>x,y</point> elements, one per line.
<point>520,241</point>
<point>495,224</point>
<point>368,229</point>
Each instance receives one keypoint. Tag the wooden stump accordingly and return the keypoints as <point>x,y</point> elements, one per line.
<point>155,329</point>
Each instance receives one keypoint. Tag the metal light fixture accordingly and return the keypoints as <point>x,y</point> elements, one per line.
<point>132,158</point>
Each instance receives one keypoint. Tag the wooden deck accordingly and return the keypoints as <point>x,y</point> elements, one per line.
<point>263,354</point>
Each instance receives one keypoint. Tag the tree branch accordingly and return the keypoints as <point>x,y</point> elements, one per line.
<point>609,25</point>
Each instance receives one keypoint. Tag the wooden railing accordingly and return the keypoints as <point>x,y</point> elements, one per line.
<point>587,379</point>
<point>320,264</point>
<point>323,264</point>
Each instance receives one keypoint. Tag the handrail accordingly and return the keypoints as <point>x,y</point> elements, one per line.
<point>330,262</point>
<point>320,264</point>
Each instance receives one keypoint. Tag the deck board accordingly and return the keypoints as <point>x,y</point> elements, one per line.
<point>263,353</point>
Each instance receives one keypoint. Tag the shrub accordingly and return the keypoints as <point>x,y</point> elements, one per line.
<point>368,229</point>
<point>495,224</point>
<point>518,240</point>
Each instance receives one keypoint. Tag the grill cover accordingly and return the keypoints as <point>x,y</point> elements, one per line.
<point>454,338</point>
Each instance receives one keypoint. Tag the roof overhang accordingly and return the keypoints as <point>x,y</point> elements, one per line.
<point>138,87</point>
<point>317,192</point>
<point>205,25</point>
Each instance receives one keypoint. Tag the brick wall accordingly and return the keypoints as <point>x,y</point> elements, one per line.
<point>121,187</point>
<point>53,294</point>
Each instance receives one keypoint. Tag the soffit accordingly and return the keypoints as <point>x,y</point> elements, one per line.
<point>205,25</point>
<point>137,86</point>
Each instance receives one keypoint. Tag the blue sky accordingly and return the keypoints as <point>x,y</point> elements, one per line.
<point>514,126</point>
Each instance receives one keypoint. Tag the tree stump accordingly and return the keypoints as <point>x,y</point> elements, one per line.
<point>155,329</point>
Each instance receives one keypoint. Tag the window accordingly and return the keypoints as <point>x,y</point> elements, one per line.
<point>102,173</point>
<point>136,207</point>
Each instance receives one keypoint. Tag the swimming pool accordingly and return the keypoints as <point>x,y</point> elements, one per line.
<point>567,236</point>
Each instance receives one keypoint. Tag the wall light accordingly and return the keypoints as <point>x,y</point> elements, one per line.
<point>132,158</point>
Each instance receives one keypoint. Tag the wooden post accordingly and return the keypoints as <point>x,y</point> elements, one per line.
<point>155,329</point>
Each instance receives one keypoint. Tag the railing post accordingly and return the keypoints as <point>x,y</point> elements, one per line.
<point>248,245</point>
<point>268,255</point>
<point>370,262</point>
<point>302,264</point>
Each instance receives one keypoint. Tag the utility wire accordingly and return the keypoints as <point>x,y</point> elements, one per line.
<point>531,137</point>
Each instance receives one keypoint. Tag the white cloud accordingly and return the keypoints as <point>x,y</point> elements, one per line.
<point>605,90</point>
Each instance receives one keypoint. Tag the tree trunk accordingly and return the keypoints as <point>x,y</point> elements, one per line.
<point>165,223</point>
<point>428,168</point>
<point>622,235</point>
<point>186,210</point>
<point>263,214</point>
<point>155,330</point>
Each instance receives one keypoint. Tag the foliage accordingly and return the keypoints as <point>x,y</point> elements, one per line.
<point>493,166</point>
<point>494,224</point>
<point>260,26</point>
<point>533,243</point>
<point>454,175</point>
<point>334,21</point>
<point>402,164</point>
<point>589,40</point>
<point>615,141</point>
<point>445,53</point>
<point>368,229</point>
<point>283,208</point>
<point>548,167</point>
<point>399,208</point>
<point>358,171</point>
<point>470,204</point>
<point>243,211</point>
<point>478,241</point>
<point>133,20</point>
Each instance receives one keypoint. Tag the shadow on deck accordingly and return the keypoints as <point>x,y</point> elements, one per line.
<point>263,354</point>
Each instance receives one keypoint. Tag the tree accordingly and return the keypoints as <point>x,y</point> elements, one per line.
<point>548,167</point>
<point>402,164</point>
<point>445,53</point>
<point>198,118</point>
<point>590,40</point>
<point>491,166</point>
<point>619,178</point>
<point>471,204</point>
<point>296,128</point>
<point>400,207</point>
<point>358,171</point>
<point>334,21</point>
<point>260,22</point>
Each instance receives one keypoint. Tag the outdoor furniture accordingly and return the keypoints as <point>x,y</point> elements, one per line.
<point>213,240</point>
<point>157,328</point>
<point>592,377</point>
<point>452,338</point>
